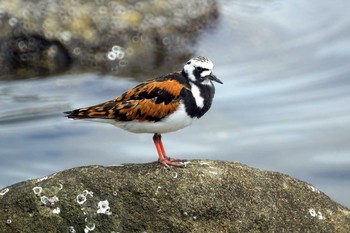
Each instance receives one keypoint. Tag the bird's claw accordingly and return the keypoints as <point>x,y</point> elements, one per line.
<point>168,162</point>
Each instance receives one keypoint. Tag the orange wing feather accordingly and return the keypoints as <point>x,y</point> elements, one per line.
<point>149,101</point>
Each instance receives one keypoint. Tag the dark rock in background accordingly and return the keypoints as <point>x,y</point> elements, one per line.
<point>27,56</point>
<point>124,37</point>
<point>206,196</point>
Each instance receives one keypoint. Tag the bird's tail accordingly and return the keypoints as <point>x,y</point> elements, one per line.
<point>77,114</point>
<point>98,111</point>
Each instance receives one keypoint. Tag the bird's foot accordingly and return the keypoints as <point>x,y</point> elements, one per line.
<point>174,159</point>
<point>169,162</point>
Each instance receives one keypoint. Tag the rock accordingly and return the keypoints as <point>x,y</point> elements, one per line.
<point>206,196</point>
<point>109,36</point>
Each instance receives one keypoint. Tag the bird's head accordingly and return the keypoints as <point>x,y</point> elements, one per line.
<point>199,70</point>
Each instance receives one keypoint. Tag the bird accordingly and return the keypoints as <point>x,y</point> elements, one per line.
<point>161,105</point>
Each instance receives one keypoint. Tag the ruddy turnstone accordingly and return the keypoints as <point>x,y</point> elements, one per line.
<point>161,105</point>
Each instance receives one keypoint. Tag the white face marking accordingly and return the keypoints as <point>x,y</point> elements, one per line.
<point>189,68</point>
<point>205,73</point>
<point>197,95</point>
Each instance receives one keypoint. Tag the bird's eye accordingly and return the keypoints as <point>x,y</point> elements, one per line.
<point>199,68</point>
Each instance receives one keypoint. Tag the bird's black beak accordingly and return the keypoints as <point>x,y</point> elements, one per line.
<point>214,78</point>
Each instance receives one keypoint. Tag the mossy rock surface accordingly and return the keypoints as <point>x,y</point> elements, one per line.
<point>206,196</point>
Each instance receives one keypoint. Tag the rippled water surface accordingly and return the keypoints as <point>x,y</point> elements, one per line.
<point>284,105</point>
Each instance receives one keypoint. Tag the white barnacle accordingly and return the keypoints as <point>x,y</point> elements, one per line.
<point>4,191</point>
<point>319,215</point>
<point>44,200</point>
<point>103,207</point>
<point>175,175</point>
<point>157,190</point>
<point>56,210</point>
<point>329,212</point>
<point>60,186</point>
<point>81,198</point>
<point>186,163</point>
<point>312,212</point>
<point>42,178</point>
<point>203,163</point>
<point>88,228</point>
<point>71,229</point>
<point>87,192</point>
<point>314,189</point>
<point>9,221</point>
<point>37,190</point>
<point>212,172</point>
<point>49,201</point>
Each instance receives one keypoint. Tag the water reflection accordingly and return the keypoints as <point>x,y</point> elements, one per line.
<point>284,105</point>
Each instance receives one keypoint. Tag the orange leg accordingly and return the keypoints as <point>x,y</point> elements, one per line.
<point>163,158</point>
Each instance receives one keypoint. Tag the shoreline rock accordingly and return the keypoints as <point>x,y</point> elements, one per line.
<point>111,37</point>
<point>206,196</point>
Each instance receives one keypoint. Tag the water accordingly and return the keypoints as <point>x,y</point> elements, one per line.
<point>284,105</point>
